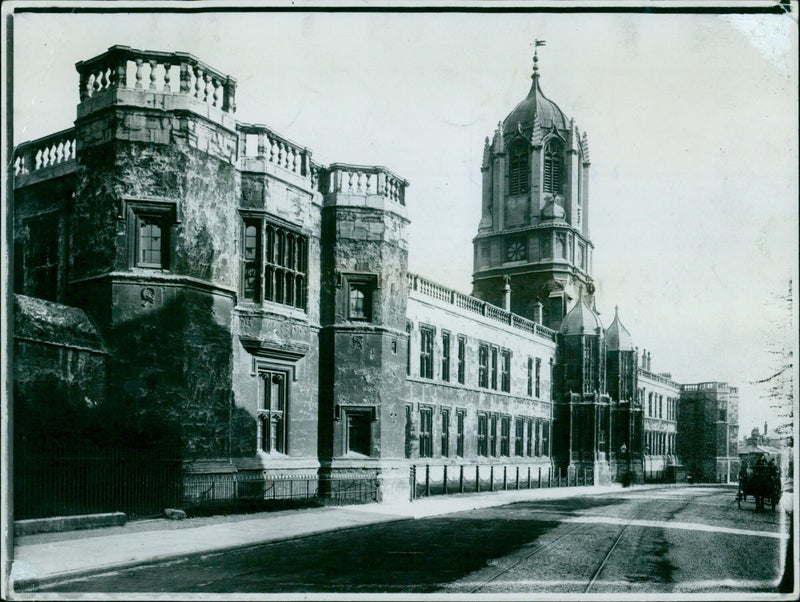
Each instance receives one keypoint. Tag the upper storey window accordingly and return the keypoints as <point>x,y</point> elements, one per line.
<point>518,168</point>
<point>43,256</point>
<point>149,226</point>
<point>552,168</point>
<point>275,264</point>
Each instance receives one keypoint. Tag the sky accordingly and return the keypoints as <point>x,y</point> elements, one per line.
<point>692,124</point>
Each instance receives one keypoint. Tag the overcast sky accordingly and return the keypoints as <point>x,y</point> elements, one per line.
<point>692,123</point>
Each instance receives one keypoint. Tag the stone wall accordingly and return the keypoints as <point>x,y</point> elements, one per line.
<point>59,374</point>
<point>427,312</point>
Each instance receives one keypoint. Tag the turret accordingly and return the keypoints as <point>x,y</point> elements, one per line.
<point>534,226</point>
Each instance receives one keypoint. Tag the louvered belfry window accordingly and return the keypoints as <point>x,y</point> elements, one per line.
<point>552,168</point>
<point>518,168</point>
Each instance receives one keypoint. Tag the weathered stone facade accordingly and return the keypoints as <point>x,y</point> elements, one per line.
<point>707,439</point>
<point>259,304</point>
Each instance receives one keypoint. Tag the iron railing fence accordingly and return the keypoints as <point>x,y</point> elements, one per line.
<point>443,479</point>
<point>253,491</point>
<point>65,481</point>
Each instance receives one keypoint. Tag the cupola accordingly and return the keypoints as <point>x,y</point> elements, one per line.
<point>617,336</point>
<point>535,105</point>
<point>581,319</point>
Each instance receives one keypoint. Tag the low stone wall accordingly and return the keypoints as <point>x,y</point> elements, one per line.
<point>68,523</point>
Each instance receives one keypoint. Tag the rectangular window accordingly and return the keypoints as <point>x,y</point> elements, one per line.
<point>151,241</point>
<point>483,449</point>
<point>538,437</point>
<point>359,300</point>
<point>505,434</point>
<point>462,350</point>
<point>445,433</point>
<point>460,419</point>
<point>722,415</point>
<point>545,437</point>
<point>446,356</point>
<point>359,427</point>
<point>409,431</point>
<point>483,366</point>
<point>426,352</point>
<point>252,260</point>
<point>530,377</point>
<point>519,435</point>
<point>271,436</point>
<point>529,438</point>
<point>505,371</point>
<point>493,435</point>
<point>408,349</point>
<point>425,433</point>
<point>43,256</point>
<point>493,368</point>
<point>274,263</point>
<point>538,377</point>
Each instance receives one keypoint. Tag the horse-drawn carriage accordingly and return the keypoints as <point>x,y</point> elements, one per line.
<point>763,482</point>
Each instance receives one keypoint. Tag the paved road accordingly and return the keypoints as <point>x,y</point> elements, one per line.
<point>690,539</point>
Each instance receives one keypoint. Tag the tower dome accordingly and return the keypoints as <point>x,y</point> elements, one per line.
<point>617,336</point>
<point>581,319</point>
<point>535,107</point>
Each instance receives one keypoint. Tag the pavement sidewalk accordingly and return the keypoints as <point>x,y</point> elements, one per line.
<point>49,558</point>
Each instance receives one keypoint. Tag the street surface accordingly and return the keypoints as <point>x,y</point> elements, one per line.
<point>670,540</point>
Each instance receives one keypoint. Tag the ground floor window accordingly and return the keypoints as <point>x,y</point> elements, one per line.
<point>505,435</point>
<point>272,412</point>
<point>545,438</point>
<point>529,440</point>
<point>460,418</point>
<point>483,421</point>
<point>445,433</point>
<point>359,432</point>
<point>519,434</point>
<point>425,433</point>
<point>493,435</point>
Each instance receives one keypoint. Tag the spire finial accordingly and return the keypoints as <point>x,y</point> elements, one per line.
<point>536,44</point>
<point>616,310</point>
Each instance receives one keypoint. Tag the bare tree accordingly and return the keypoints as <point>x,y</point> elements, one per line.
<point>778,385</point>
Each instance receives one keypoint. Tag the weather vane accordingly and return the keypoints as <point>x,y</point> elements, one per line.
<point>536,44</point>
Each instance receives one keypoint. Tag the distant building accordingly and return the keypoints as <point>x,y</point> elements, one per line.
<point>707,441</point>
<point>259,303</point>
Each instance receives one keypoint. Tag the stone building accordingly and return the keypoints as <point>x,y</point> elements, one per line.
<point>708,438</point>
<point>259,303</point>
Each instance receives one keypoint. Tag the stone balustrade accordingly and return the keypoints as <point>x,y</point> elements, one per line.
<point>366,180</point>
<point>260,142</point>
<point>707,386</point>
<point>49,151</point>
<point>471,304</point>
<point>657,377</point>
<point>163,72</point>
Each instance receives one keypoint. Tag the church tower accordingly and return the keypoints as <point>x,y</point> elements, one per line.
<point>534,226</point>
